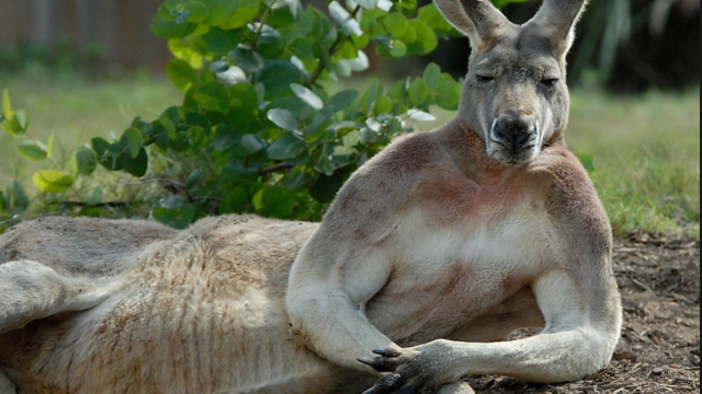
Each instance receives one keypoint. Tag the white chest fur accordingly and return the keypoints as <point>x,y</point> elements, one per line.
<point>445,277</point>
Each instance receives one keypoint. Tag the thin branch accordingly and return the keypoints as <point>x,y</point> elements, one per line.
<point>321,65</point>
<point>110,204</point>
<point>275,167</point>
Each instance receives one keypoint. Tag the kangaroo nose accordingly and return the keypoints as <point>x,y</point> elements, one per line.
<point>514,131</point>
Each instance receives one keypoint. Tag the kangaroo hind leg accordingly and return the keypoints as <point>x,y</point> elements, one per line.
<point>30,290</point>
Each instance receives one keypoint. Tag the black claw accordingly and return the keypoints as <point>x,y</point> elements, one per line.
<point>386,352</point>
<point>386,385</point>
<point>379,364</point>
<point>392,381</point>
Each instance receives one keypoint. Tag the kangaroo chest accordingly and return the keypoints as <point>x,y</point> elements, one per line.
<point>464,258</point>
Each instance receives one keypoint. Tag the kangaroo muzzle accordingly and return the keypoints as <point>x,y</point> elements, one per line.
<point>513,138</point>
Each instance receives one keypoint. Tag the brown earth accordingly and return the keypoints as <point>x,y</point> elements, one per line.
<point>659,352</point>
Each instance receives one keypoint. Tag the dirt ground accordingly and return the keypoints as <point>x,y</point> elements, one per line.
<point>659,351</point>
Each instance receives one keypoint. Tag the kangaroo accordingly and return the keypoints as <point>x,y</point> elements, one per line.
<point>432,253</point>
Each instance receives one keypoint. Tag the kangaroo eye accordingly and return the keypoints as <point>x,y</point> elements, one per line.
<point>483,78</point>
<point>549,82</point>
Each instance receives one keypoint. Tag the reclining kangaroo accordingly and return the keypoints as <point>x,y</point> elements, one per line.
<point>432,253</point>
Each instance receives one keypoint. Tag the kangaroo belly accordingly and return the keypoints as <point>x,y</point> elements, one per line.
<point>192,316</point>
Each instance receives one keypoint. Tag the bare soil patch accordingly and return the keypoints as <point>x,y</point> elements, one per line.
<point>659,352</point>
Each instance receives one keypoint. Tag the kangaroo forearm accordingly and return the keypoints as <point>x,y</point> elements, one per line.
<point>545,358</point>
<point>336,331</point>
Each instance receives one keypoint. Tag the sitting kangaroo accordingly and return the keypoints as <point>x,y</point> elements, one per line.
<point>432,253</point>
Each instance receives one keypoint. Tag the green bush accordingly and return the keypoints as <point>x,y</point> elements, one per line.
<point>261,127</point>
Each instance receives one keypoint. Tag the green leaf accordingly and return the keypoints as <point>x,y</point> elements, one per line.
<point>137,166</point>
<point>109,155</point>
<point>195,177</point>
<point>247,58</point>
<point>249,144</point>
<point>431,16</point>
<point>174,211</point>
<point>449,93</point>
<point>431,76</point>
<point>426,39</point>
<point>187,51</point>
<point>369,96</point>
<point>389,46</point>
<point>284,13</point>
<point>368,4</point>
<point>407,7</point>
<point>218,67</point>
<point>85,161</point>
<point>32,150</point>
<point>383,105</point>
<point>316,133</point>
<point>212,96</point>
<point>343,99</point>
<point>236,172</point>
<point>226,136</point>
<point>16,196</point>
<point>196,119</point>
<point>289,146</point>
<point>52,181</point>
<point>418,92</point>
<point>243,113</point>
<point>294,105</point>
<point>230,14</point>
<point>196,11</point>
<point>222,41</point>
<point>270,42</point>
<point>284,119</point>
<point>395,24</point>
<point>273,201</point>
<point>171,113</point>
<point>169,29</point>
<point>236,201</point>
<point>163,132</point>
<point>6,105</point>
<point>131,141</point>
<point>296,178</point>
<point>21,119</point>
<point>181,73</point>
<point>19,123</point>
<point>50,144</point>
<point>276,76</point>
<point>309,97</point>
<point>7,114</point>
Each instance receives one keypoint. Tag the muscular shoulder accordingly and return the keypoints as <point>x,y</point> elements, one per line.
<point>570,198</point>
<point>377,190</point>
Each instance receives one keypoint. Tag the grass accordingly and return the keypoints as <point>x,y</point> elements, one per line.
<point>645,148</point>
<point>76,109</point>
<point>646,157</point>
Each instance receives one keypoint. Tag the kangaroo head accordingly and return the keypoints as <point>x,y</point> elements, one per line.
<point>514,95</point>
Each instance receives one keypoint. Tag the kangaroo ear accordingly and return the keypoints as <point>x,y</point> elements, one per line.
<point>556,21</point>
<point>477,19</point>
